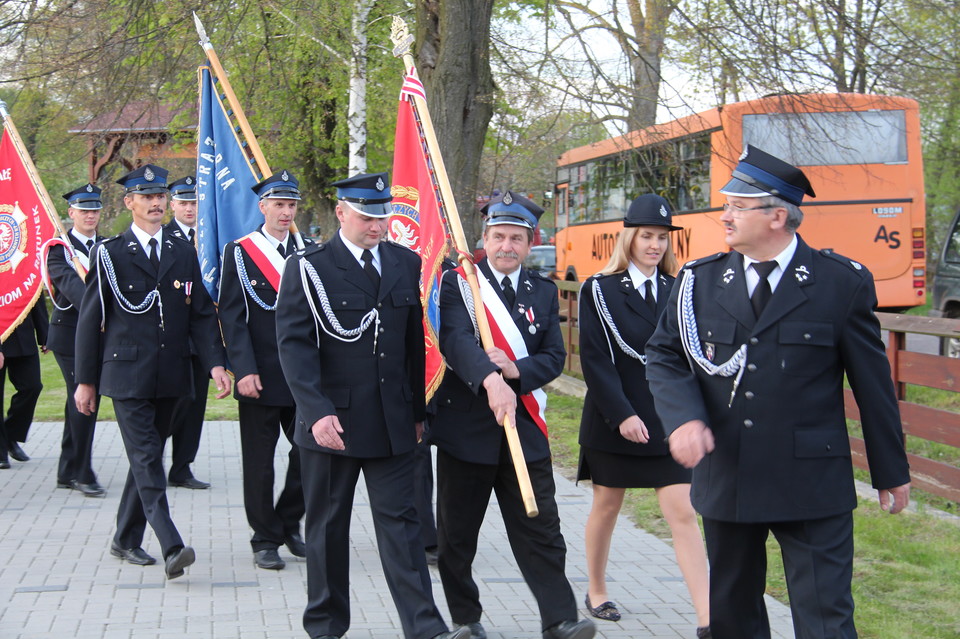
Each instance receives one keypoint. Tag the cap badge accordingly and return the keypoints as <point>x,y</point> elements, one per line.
<point>728,276</point>
<point>663,211</point>
<point>802,273</point>
<point>89,188</point>
<point>508,199</point>
<point>189,180</point>
<point>380,185</point>
<point>148,175</point>
<point>285,176</point>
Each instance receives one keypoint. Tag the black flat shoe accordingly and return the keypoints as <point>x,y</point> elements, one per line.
<point>17,453</point>
<point>268,559</point>
<point>178,560</point>
<point>190,482</point>
<point>606,611</point>
<point>703,632</point>
<point>135,556</point>
<point>88,490</point>
<point>294,543</point>
<point>4,464</point>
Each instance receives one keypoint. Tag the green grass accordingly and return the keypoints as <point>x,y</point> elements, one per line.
<point>906,580</point>
<point>51,403</point>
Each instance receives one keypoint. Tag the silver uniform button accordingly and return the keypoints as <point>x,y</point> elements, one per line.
<point>748,394</point>
<point>754,341</point>
<point>748,423</point>
<point>751,367</point>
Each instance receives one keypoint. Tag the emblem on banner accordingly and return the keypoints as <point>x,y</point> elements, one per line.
<point>13,237</point>
<point>404,226</point>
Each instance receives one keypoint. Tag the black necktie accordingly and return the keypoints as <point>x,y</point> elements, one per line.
<point>648,296</point>
<point>509,292</point>
<point>763,292</point>
<point>369,268</point>
<point>281,250</point>
<point>192,234</point>
<point>89,246</point>
<point>154,258</point>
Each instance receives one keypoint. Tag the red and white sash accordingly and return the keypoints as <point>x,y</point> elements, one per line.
<point>507,337</point>
<point>265,256</point>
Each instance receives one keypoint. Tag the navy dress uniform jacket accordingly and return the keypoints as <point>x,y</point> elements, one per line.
<point>140,357</point>
<point>465,426</point>
<point>782,450</point>
<point>249,330</point>
<point>67,295</point>
<point>32,332</point>
<point>377,392</point>
<point>616,382</point>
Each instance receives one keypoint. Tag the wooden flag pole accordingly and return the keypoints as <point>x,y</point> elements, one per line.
<point>402,41</point>
<point>248,135</point>
<point>39,187</point>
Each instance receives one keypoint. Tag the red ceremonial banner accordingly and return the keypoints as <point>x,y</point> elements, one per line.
<point>417,220</point>
<point>24,227</point>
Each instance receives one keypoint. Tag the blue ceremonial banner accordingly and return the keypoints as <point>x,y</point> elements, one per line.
<point>226,207</point>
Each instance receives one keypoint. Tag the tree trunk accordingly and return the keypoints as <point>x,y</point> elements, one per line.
<point>453,58</point>
<point>357,108</point>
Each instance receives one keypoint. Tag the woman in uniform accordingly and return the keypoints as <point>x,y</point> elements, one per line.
<point>621,438</point>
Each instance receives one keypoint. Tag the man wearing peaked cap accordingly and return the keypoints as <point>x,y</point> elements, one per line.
<point>480,389</point>
<point>188,417</point>
<point>356,299</point>
<point>144,301</point>
<point>749,386</point>
<point>252,268</point>
<point>75,469</point>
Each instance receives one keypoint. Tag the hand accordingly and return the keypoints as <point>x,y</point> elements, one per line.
<point>250,386</point>
<point>222,380</point>
<point>690,443</point>
<point>634,430</point>
<point>44,350</point>
<point>85,398</point>
<point>503,361</point>
<point>1,360</point>
<point>501,398</point>
<point>326,432</point>
<point>901,497</point>
<point>418,426</point>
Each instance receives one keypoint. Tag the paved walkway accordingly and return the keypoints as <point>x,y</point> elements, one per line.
<point>57,578</point>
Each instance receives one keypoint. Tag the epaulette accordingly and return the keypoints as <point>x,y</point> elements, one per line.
<point>310,248</point>
<point>405,248</point>
<point>111,239</point>
<point>539,276</point>
<point>599,276</point>
<point>704,260</point>
<point>180,237</point>
<point>846,261</point>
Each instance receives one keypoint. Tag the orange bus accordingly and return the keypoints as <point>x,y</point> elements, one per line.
<point>860,152</point>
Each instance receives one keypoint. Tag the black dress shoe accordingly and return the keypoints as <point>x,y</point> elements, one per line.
<point>583,629</point>
<point>64,483</point>
<point>328,637</point>
<point>4,464</point>
<point>17,453</point>
<point>703,632</point>
<point>268,559</point>
<point>135,556</point>
<point>476,630</point>
<point>463,632</point>
<point>89,490</point>
<point>178,560</point>
<point>190,482</point>
<point>294,543</point>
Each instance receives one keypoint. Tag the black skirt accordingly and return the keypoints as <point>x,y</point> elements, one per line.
<point>630,471</point>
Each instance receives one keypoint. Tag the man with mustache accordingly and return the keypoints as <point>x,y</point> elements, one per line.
<point>478,391</point>
<point>748,382</point>
<point>144,300</point>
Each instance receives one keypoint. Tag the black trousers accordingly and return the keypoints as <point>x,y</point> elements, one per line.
<point>76,447</point>
<point>260,428</point>
<point>329,482</point>
<point>188,424</point>
<point>423,493</point>
<point>818,564</point>
<point>144,426</point>
<point>462,496</point>
<point>25,376</point>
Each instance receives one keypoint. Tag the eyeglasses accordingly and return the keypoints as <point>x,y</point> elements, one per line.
<point>738,211</point>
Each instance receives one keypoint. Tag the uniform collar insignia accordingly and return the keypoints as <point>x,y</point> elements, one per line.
<point>528,285</point>
<point>728,276</point>
<point>801,273</point>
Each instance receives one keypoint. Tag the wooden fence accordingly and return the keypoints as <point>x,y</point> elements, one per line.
<point>907,367</point>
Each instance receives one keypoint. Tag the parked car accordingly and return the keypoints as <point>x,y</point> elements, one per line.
<point>542,258</point>
<point>946,286</point>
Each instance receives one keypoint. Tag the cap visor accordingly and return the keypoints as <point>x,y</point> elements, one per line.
<point>376,209</point>
<point>738,187</point>
<point>150,190</point>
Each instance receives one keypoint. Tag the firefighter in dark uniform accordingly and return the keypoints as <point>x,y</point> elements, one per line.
<point>350,334</point>
<point>75,469</point>
<point>252,266</point>
<point>188,418</point>
<point>473,457</point>
<point>143,302</point>
<point>21,360</point>
<point>747,368</point>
